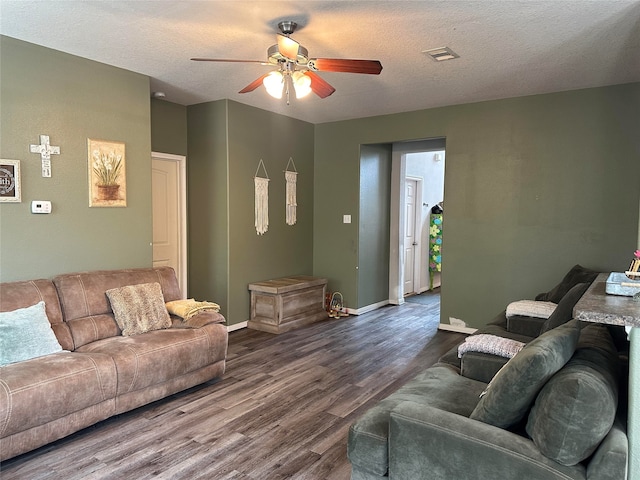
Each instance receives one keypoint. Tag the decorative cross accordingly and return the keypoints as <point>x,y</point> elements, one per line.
<point>45,150</point>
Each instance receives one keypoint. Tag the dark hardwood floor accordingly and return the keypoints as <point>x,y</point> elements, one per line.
<point>282,410</point>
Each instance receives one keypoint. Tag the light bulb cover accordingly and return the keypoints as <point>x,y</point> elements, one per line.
<point>274,84</point>
<point>301,84</point>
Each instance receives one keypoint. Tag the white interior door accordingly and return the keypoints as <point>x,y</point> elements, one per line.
<point>410,244</point>
<point>169,211</point>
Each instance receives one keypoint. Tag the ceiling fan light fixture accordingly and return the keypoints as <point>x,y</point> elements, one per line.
<point>301,84</point>
<point>274,84</point>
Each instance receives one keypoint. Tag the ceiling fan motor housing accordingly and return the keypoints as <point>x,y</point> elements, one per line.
<point>287,27</point>
<point>276,57</point>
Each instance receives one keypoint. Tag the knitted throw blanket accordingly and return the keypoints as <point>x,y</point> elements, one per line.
<point>493,344</point>
<point>190,307</point>
<point>531,308</point>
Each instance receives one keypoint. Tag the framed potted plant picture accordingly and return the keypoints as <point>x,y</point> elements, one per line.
<point>107,174</point>
<point>10,181</point>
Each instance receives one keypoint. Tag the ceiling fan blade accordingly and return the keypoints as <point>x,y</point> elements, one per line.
<point>373,67</point>
<point>253,85</point>
<point>319,86</point>
<point>229,60</point>
<point>288,47</point>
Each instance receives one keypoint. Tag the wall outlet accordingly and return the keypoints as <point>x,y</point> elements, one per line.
<point>456,322</point>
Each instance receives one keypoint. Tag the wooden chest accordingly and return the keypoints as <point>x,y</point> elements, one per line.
<point>283,304</point>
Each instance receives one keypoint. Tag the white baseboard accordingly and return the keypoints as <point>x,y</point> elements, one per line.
<point>368,308</point>
<point>454,328</point>
<point>237,326</point>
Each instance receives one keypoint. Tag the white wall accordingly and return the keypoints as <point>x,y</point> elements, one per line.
<point>430,167</point>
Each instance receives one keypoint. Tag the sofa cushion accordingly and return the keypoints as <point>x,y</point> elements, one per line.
<point>143,360</point>
<point>564,311</point>
<point>512,391</point>
<point>139,308</point>
<point>26,333</point>
<point>575,410</point>
<point>577,274</point>
<point>440,386</point>
<point>86,308</point>
<point>47,389</point>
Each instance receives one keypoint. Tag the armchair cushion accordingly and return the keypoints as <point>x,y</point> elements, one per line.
<point>512,391</point>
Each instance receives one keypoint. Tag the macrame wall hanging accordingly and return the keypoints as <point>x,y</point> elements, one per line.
<point>262,200</point>
<point>291,202</point>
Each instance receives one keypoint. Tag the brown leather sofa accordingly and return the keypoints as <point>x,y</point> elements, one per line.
<point>100,373</point>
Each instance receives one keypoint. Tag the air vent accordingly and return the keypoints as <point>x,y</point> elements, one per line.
<point>441,54</point>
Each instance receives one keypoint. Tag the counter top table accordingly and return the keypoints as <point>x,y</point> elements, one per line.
<point>598,306</point>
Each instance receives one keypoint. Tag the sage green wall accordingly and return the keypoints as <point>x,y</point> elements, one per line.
<point>533,186</point>
<point>373,221</point>
<point>208,203</point>
<point>71,99</point>
<point>226,142</point>
<point>168,127</point>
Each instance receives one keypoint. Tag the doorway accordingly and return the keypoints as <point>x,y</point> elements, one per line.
<point>409,269</point>
<point>169,203</point>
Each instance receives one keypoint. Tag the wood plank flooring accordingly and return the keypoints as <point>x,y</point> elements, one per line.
<point>282,410</point>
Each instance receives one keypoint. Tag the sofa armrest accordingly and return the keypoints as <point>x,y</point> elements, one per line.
<point>524,325</point>
<point>481,366</point>
<point>610,460</point>
<point>197,321</point>
<point>429,443</point>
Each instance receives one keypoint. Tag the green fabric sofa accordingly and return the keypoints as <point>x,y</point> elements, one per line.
<point>551,413</point>
<point>556,410</point>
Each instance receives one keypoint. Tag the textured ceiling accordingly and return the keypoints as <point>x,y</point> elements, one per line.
<point>507,48</point>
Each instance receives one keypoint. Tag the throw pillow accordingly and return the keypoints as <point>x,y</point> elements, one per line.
<point>530,308</point>
<point>139,308</point>
<point>26,333</point>
<point>564,311</point>
<point>577,274</point>
<point>577,407</point>
<point>512,391</point>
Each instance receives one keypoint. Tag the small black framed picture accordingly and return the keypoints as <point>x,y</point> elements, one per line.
<point>10,190</point>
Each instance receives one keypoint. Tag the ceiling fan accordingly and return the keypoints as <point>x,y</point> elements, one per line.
<point>297,70</point>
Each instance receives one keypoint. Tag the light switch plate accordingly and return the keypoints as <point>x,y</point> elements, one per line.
<point>346,219</point>
<point>41,206</point>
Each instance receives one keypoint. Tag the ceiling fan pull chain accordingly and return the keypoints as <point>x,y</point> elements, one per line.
<point>287,81</point>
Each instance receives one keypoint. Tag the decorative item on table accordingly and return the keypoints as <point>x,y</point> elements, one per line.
<point>634,268</point>
<point>628,283</point>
